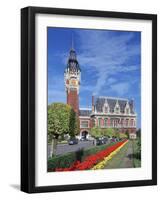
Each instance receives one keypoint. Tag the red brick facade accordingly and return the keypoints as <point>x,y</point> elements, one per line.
<point>73,100</point>
<point>106,112</point>
<point>131,128</point>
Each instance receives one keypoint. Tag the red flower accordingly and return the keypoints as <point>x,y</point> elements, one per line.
<point>91,160</point>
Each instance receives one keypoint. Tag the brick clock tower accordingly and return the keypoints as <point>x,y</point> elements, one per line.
<point>72,76</point>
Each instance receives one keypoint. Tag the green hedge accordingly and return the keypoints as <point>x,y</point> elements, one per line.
<point>94,150</point>
<point>61,161</point>
<point>66,160</point>
<point>137,152</point>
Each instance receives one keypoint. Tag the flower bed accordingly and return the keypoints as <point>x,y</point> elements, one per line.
<point>92,160</point>
<point>69,159</point>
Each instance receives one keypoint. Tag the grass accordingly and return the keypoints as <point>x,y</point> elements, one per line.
<point>125,159</point>
<point>63,142</point>
<point>59,142</point>
<point>136,155</point>
<point>117,160</point>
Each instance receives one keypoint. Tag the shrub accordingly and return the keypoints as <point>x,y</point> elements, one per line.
<point>61,161</point>
<point>123,135</point>
<point>94,159</point>
<point>66,160</point>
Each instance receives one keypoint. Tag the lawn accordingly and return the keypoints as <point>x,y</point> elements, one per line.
<point>127,157</point>
<point>123,159</point>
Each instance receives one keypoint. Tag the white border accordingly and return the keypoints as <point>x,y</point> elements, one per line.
<point>56,178</point>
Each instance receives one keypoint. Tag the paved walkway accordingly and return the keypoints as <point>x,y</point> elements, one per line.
<point>123,159</point>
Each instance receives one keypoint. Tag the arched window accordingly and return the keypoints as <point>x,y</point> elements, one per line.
<point>111,122</point>
<point>127,122</point>
<point>93,122</point>
<point>99,122</point>
<point>105,122</point>
<point>122,122</point>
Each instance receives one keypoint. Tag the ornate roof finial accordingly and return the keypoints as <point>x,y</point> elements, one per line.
<point>106,101</point>
<point>72,63</point>
<point>72,41</point>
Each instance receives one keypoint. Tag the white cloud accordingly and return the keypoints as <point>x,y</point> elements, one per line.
<point>102,56</point>
<point>86,88</point>
<point>112,80</point>
<point>106,54</point>
<point>120,88</point>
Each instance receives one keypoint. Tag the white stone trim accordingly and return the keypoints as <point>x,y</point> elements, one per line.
<point>117,106</point>
<point>114,114</point>
<point>84,117</point>
<point>85,120</point>
<point>127,107</point>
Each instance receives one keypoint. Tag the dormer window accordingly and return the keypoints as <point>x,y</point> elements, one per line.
<point>117,108</point>
<point>106,109</point>
<point>127,109</point>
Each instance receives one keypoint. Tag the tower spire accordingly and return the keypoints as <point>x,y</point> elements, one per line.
<point>72,41</point>
<point>72,76</point>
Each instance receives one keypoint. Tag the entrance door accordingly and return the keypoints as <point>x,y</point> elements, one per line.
<point>84,135</point>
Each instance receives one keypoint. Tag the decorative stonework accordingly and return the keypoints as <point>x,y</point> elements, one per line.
<point>127,108</point>
<point>106,112</point>
<point>72,76</point>
<point>117,108</point>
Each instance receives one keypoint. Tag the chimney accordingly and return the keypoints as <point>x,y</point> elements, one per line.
<point>92,103</point>
<point>132,104</point>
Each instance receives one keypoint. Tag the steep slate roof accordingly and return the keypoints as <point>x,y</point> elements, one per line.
<point>73,64</point>
<point>99,103</point>
<point>83,112</point>
<point>131,104</point>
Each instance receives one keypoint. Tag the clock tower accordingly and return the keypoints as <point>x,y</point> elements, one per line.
<point>72,76</point>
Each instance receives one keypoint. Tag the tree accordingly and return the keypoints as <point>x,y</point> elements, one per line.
<point>138,133</point>
<point>77,126</point>
<point>117,132</point>
<point>122,135</point>
<point>73,124</point>
<point>104,132</point>
<point>127,133</point>
<point>110,132</point>
<point>61,120</point>
<point>96,133</point>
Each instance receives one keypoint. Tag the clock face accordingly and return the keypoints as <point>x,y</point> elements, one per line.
<point>74,82</point>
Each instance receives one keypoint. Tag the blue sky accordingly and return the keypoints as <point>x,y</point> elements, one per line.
<point>110,62</point>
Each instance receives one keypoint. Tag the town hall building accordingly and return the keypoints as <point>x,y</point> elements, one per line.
<point>106,112</point>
